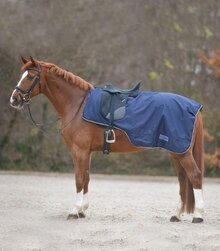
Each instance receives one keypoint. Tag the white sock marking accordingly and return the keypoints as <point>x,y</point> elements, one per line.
<point>85,201</point>
<point>82,202</point>
<point>79,199</point>
<point>179,208</point>
<point>199,203</point>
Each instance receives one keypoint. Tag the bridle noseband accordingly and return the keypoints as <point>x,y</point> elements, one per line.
<point>26,95</point>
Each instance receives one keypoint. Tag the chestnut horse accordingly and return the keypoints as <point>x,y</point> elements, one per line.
<point>68,94</point>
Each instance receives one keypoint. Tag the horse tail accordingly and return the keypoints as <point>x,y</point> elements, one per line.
<point>198,155</point>
<point>198,148</point>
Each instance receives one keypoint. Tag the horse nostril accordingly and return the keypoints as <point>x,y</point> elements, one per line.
<point>14,100</point>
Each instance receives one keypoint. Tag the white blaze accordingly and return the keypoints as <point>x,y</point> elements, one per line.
<point>22,77</point>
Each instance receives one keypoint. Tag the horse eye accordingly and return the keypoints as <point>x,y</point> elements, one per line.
<point>29,77</point>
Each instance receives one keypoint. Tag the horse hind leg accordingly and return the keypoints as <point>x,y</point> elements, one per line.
<point>191,165</point>
<point>195,176</point>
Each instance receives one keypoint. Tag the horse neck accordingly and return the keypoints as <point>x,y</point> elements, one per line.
<point>63,95</point>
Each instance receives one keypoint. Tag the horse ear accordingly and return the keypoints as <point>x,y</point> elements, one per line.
<point>33,61</point>
<point>24,60</point>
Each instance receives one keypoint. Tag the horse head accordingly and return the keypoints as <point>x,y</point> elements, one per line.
<point>29,84</point>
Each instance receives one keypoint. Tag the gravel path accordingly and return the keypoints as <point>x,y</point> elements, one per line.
<point>126,213</point>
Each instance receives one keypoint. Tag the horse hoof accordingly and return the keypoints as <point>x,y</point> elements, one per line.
<point>73,217</point>
<point>82,215</point>
<point>174,219</point>
<point>197,220</point>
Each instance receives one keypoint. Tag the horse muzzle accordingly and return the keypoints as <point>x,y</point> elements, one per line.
<point>16,102</point>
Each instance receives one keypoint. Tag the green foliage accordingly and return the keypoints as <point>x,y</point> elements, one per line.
<point>153,75</point>
<point>150,162</point>
<point>61,167</point>
<point>23,148</point>
<point>180,45</point>
<point>208,32</point>
<point>168,64</point>
<point>177,28</point>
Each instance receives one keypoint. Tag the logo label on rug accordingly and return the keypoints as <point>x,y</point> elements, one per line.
<point>164,137</point>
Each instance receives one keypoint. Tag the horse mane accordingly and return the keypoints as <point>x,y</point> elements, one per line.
<point>66,75</point>
<point>213,62</point>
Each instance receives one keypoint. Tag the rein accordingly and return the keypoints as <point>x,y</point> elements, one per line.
<point>42,126</point>
<point>75,113</point>
<point>39,125</point>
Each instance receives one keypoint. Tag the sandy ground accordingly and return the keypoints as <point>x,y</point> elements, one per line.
<point>125,214</point>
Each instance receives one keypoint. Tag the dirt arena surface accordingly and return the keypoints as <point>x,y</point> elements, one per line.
<point>126,213</point>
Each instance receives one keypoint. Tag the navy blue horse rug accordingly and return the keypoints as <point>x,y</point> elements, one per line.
<point>151,119</point>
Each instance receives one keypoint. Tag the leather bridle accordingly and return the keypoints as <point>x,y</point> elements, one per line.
<point>26,97</point>
<point>26,94</point>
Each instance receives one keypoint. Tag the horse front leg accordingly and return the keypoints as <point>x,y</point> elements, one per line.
<point>82,165</point>
<point>181,178</point>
